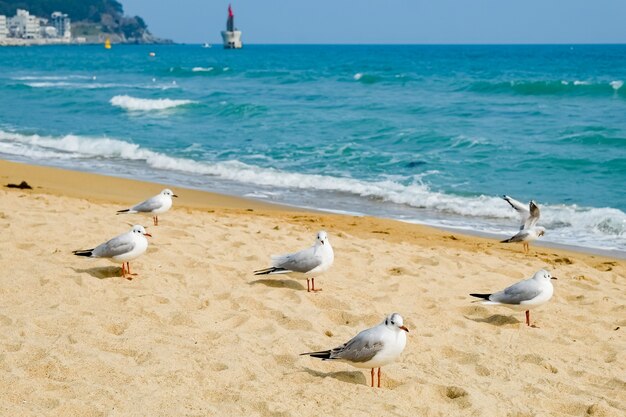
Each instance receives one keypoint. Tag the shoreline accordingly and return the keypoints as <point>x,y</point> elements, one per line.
<point>106,189</point>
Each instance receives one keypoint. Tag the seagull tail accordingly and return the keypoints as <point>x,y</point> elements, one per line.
<point>509,240</point>
<point>323,354</point>
<point>483,296</point>
<point>271,270</point>
<point>83,252</point>
<point>123,211</point>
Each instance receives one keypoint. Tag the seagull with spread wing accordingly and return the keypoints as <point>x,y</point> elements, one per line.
<point>529,216</point>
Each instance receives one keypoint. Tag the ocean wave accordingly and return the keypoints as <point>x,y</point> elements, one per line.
<point>582,87</point>
<point>95,86</point>
<point>143,104</point>
<point>366,78</point>
<point>197,71</point>
<point>594,224</point>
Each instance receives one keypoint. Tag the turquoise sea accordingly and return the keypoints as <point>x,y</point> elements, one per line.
<point>426,134</point>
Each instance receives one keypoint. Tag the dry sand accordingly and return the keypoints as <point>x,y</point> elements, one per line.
<point>196,334</point>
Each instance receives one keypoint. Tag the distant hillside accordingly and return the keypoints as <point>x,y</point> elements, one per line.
<point>92,19</point>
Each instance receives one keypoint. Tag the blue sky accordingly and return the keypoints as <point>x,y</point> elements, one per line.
<point>389,21</point>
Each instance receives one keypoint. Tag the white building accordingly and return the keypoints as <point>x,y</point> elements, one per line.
<point>4,30</point>
<point>24,25</point>
<point>61,22</point>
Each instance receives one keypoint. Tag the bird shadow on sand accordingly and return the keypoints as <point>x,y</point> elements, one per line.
<point>496,320</point>
<point>354,377</point>
<point>102,272</point>
<point>279,283</point>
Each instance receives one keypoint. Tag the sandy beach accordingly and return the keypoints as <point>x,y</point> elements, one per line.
<point>197,334</point>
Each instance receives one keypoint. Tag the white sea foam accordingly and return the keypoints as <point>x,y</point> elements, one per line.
<point>617,84</point>
<point>358,76</point>
<point>577,82</point>
<point>143,104</point>
<point>565,223</point>
<point>202,69</point>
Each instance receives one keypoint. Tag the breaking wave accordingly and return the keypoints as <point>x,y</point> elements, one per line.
<point>578,224</point>
<point>143,104</point>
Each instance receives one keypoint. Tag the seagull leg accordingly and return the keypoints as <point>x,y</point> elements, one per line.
<point>313,286</point>
<point>527,317</point>
<point>372,377</point>
<point>308,285</point>
<point>128,268</point>
<point>378,377</point>
<point>155,219</point>
<point>123,269</point>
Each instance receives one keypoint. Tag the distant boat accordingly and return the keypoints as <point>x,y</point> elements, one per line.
<point>206,45</point>
<point>107,43</point>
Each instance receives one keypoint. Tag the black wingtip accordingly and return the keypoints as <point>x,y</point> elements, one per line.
<point>267,271</point>
<point>87,252</point>
<point>324,354</point>
<point>483,296</point>
<point>123,211</point>
<point>506,241</point>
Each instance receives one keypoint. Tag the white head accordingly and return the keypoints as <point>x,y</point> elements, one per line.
<point>543,275</point>
<point>168,193</point>
<point>322,238</point>
<point>140,230</point>
<point>394,321</point>
<point>540,230</point>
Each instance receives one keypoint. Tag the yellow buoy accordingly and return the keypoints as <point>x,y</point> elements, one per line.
<point>107,43</point>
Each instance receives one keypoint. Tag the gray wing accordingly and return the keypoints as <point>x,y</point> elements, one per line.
<point>519,237</point>
<point>521,209</point>
<point>516,293</point>
<point>149,205</point>
<point>117,246</point>
<point>533,217</point>
<point>361,348</point>
<point>302,261</point>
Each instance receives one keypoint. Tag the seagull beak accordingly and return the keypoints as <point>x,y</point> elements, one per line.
<point>174,195</point>
<point>553,278</point>
<point>147,234</point>
<point>404,328</point>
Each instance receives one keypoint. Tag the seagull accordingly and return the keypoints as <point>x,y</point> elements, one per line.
<point>122,248</point>
<point>528,230</point>
<point>524,295</point>
<point>372,348</point>
<point>158,204</point>
<point>310,262</point>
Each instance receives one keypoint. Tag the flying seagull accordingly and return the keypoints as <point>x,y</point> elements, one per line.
<point>529,216</point>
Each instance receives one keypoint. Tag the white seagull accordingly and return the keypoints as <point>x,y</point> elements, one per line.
<point>158,204</point>
<point>120,249</point>
<point>308,262</point>
<point>524,295</point>
<point>529,216</point>
<point>372,348</point>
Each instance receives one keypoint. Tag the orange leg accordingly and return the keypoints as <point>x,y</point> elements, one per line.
<point>378,377</point>
<point>155,219</point>
<point>527,317</point>
<point>372,377</point>
<point>123,270</point>
<point>313,286</point>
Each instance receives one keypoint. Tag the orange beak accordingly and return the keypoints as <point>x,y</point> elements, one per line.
<point>147,234</point>
<point>404,328</point>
